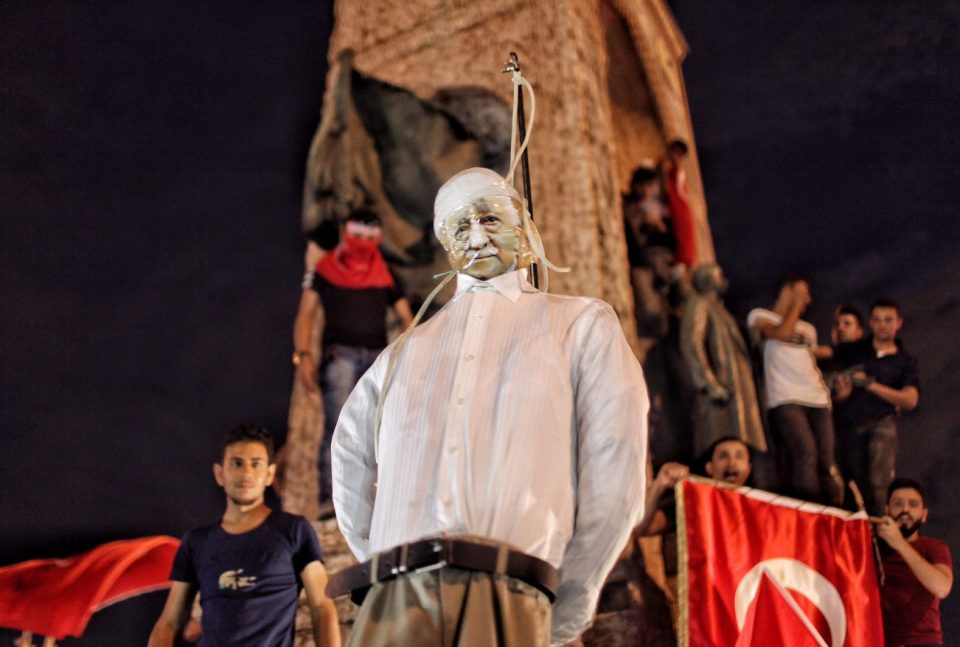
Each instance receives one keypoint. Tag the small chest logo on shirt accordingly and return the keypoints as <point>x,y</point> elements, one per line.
<point>234,580</point>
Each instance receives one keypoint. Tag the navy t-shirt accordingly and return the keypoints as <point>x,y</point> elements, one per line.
<point>896,371</point>
<point>249,583</point>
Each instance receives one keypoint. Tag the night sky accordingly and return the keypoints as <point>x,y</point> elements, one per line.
<point>151,164</point>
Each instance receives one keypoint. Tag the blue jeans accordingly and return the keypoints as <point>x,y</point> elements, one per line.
<point>342,368</point>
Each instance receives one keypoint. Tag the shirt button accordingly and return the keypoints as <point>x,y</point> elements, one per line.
<point>461,400</point>
<point>468,357</point>
<point>452,449</point>
<point>478,317</point>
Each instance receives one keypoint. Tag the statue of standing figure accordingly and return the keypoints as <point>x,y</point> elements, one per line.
<point>719,362</point>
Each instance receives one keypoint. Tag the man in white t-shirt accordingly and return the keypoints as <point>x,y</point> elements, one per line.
<point>795,394</point>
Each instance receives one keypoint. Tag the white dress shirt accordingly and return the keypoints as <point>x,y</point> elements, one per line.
<point>513,414</point>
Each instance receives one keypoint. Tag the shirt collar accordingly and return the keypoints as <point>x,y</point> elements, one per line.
<point>510,284</point>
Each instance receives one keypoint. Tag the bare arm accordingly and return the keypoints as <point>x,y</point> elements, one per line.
<point>785,329</point>
<point>906,398</point>
<point>823,352</point>
<point>323,612</point>
<point>302,332</point>
<point>174,615</point>
<point>936,578</point>
<point>799,299</point>
<point>668,476</point>
<point>404,313</point>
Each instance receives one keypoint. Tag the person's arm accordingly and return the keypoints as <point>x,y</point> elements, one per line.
<point>404,313</point>
<point>354,465</point>
<point>669,475</point>
<point>906,398</point>
<point>611,408</point>
<point>323,611</point>
<point>302,332</point>
<point>936,578</point>
<point>783,331</point>
<point>175,613</point>
<point>823,352</point>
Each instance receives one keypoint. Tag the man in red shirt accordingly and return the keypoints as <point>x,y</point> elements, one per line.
<point>918,570</point>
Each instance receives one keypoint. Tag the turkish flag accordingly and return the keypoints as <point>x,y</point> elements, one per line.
<point>56,597</point>
<point>776,619</point>
<point>821,557</point>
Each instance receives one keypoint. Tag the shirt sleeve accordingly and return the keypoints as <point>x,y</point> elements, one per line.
<point>353,461</point>
<point>939,553</point>
<point>306,545</point>
<point>757,315</point>
<point>911,373</point>
<point>183,569</point>
<point>611,416</point>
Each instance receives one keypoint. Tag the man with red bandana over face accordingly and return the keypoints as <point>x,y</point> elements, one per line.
<point>354,287</point>
<point>918,569</point>
<point>506,467</point>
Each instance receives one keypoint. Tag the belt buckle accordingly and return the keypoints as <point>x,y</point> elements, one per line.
<point>436,546</point>
<point>401,566</point>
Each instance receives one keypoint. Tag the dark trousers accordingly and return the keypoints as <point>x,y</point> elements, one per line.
<point>805,435</point>
<point>868,455</point>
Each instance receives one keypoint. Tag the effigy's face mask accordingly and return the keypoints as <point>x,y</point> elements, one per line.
<point>484,238</point>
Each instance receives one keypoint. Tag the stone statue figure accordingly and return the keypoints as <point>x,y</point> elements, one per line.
<point>719,362</point>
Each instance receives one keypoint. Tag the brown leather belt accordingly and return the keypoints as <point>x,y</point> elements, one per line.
<point>428,554</point>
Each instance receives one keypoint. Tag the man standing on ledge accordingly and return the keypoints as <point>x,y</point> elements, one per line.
<point>918,569</point>
<point>353,286</point>
<point>512,444</point>
<point>250,566</point>
<point>870,400</point>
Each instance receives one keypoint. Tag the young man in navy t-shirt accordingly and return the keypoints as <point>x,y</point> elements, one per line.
<point>250,566</point>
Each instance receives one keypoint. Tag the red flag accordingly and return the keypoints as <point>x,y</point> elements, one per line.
<point>821,556</point>
<point>56,597</point>
<point>775,619</point>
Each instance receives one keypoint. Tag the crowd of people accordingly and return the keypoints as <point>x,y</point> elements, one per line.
<point>830,411</point>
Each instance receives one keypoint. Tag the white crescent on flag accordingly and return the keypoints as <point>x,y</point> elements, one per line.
<point>794,575</point>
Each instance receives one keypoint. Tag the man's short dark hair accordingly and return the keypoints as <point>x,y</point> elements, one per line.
<point>853,311</point>
<point>789,279</point>
<point>902,484</point>
<point>885,302</point>
<point>246,434</point>
<point>725,439</point>
<point>679,145</point>
<point>642,175</point>
<point>364,215</point>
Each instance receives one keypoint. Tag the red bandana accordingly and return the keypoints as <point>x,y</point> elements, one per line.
<point>355,264</point>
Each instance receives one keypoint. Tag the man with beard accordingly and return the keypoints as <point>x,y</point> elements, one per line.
<point>918,569</point>
<point>354,287</point>
<point>493,457</point>
<point>249,567</point>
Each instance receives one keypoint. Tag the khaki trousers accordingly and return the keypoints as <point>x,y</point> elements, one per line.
<point>448,607</point>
